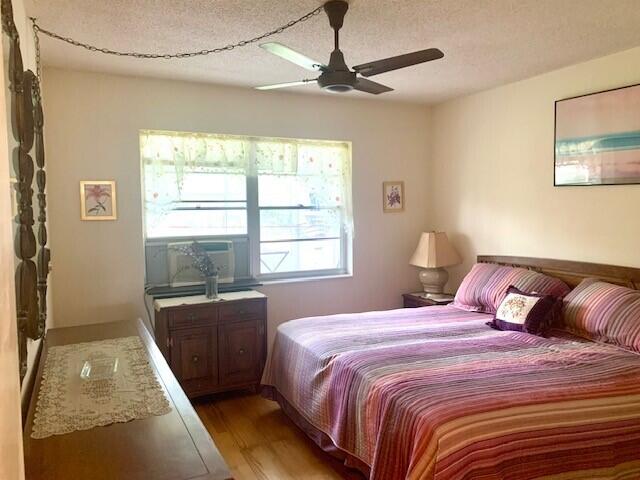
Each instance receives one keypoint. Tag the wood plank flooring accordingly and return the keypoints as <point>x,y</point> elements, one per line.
<point>259,442</point>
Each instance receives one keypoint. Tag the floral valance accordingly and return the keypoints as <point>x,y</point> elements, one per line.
<point>194,151</point>
<point>214,153</point>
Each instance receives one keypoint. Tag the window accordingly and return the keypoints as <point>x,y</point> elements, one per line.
<point>289,198</point>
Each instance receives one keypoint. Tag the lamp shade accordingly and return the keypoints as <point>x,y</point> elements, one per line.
<point>434,251</point>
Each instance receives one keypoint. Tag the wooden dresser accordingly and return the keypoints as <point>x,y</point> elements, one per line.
<point>214,346</point>
<point>175,446</point>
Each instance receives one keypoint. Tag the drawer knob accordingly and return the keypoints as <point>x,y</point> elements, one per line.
<point>195,359</point>
<point>242,351</point>
<point>241,311</point>
<point>191,316</point>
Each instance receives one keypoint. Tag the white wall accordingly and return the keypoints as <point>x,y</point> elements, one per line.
<point>92,133</point>
<point>492,171</point>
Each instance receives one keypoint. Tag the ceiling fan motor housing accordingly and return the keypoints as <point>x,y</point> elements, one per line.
<point>337,77</point>
<point>337,81</point>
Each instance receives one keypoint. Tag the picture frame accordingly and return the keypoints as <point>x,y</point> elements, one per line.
<point>393,200</point>
<point>98,200</point>
<point>597,138</point>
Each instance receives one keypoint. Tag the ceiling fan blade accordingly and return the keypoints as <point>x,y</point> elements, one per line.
<point>369,86</point>
<point>292,56</point>
<point>399,61</point>
<point>287,84</point>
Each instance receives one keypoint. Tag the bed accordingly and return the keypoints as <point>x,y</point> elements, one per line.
<point>433,393</point>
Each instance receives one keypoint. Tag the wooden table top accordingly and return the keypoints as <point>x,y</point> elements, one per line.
<point>175,446</point>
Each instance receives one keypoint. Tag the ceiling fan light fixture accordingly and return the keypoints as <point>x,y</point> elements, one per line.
<point>338,88</point>
<point>339,81</point>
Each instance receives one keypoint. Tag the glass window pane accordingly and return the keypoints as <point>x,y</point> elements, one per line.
<point>299,256</point>
<point>213,186</point>
<point>292,190</point>
<point>191,210</point>
<point>187,223</point>
<point>294,224</point>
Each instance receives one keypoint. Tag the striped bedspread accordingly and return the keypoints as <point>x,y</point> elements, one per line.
<point>433,393</point>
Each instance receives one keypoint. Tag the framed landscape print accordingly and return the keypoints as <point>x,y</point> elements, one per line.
<point>393,197</point>
<point>98,200</point>
<point>597,138</point>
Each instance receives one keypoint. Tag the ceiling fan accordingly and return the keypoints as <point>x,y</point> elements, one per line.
<point>336,76</point>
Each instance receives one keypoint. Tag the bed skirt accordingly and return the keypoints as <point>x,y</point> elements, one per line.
<point>320,438</point>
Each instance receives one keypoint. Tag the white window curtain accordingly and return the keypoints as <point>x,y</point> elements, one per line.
<point>168,156</point>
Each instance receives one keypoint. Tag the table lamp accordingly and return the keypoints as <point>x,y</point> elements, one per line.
<point>434,252</point>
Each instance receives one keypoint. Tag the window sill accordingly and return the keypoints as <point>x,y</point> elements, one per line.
<point>305,279</point>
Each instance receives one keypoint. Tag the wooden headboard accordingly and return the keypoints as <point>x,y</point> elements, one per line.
<point>572,273</point>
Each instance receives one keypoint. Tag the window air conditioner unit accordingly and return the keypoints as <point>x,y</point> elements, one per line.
<point>182,272</point>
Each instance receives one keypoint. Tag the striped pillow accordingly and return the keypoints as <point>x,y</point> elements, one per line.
<point>604,312</point>
<point>485,286</point>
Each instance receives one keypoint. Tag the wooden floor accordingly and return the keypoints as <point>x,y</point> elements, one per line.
<point>258,441</point>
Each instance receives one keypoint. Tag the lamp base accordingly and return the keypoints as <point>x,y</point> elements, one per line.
<point>433,279</point>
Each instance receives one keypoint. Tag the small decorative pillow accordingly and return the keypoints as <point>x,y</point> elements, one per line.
<point>485,286</point>
<point>524,312</point>
<point>604,312</point>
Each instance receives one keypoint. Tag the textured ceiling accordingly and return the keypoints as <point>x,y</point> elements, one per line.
<point>486,42</point>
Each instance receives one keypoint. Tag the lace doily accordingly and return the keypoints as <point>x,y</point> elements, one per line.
<point>67,402</point>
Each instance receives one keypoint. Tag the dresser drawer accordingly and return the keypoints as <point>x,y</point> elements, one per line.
<point>193,317</point>
<point>238,311</point>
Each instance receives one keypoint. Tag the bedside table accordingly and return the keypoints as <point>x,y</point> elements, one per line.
<point>414,300</point>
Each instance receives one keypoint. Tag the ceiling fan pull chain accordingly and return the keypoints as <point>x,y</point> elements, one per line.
<point>37,29</point>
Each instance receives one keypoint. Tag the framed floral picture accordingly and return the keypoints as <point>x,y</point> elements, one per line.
<point>393,197</point>
<point>98,200</point>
